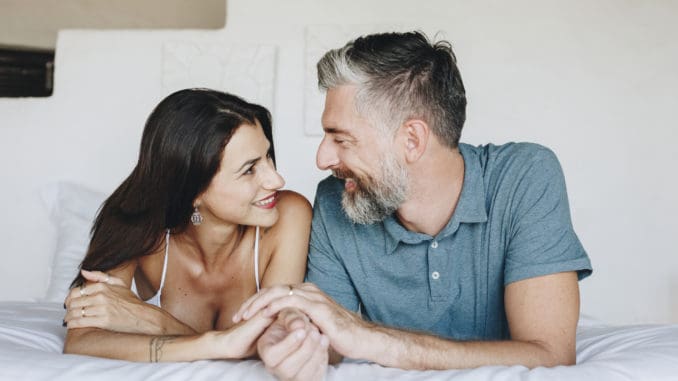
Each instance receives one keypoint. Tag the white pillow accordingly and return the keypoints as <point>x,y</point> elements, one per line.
<point>72,208</point>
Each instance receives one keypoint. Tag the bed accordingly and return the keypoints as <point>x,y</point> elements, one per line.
<point>31,338</point>
<point>31,334</point>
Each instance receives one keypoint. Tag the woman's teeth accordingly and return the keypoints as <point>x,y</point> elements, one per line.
<point>265,201</point>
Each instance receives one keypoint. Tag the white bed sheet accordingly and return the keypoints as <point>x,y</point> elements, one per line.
<point>31,338</point>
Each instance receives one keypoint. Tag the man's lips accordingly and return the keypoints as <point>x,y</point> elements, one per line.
<point>268,202</point>
<point>349,185</point>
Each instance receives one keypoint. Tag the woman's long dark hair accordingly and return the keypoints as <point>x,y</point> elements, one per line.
<point>181,150</point>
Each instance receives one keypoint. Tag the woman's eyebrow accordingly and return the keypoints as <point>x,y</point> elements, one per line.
<point>248,163</point>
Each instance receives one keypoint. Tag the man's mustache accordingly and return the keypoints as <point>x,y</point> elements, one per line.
<point>343,174</point>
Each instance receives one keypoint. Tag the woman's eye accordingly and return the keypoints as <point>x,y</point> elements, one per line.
<point>249,171</point>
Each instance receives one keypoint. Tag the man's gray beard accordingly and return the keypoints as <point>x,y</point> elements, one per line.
<point>373,202</point>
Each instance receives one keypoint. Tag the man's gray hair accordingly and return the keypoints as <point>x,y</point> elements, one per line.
<point>400,76</point>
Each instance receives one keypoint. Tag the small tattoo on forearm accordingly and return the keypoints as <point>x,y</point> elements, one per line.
<point>155,346</point>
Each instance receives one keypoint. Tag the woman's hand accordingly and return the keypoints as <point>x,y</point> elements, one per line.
<point>239,341</point>
<point>107,302</point>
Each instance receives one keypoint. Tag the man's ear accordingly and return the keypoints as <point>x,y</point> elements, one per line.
<point>414,135</point>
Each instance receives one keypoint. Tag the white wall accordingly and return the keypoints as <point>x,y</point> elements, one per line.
<point>595,81</point>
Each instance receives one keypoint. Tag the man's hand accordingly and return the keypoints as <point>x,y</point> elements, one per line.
<point>293,349</point>
<point>343,328</point>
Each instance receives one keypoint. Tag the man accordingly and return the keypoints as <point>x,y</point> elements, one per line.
<point>455,256</point>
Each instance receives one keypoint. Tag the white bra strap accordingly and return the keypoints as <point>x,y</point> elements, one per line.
<point>164,265</point>
<point>256,257</point>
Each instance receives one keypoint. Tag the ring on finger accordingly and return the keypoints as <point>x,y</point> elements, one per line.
<point>82,291</point>
<point>108,277</point>
<point>291,291</point>
<point>82,311</point>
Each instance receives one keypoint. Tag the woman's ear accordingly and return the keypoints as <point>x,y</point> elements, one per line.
<point>414,135</point>
<point>197,201</point>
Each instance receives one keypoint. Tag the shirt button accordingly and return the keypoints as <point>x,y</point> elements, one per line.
<point>434,244</point>
<point>435,275</point>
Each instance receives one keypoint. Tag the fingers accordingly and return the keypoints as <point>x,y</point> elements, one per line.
<point>341,326</point>
<point>243,338</point>
<point>76,292</point>
<point>302,362</point>
<point>273,353</point>
<point>86,302</point>
<point>316,366</point>
<point>83,301</point>
<point>94,288</point>
<point>257,301</point>
<point>84,316</point>
<point>253,328</point>
<point>83,292</point>
<point>89,322</point>
<point>293,363</point>
<point>102,277</point>
<point>300,303</point>
<point>265,297</point>
<point>257,324</point>
<point>293,319</point>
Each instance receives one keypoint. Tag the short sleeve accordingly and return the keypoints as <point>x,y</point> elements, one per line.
<point>325,268</point>
<point>542,240</point>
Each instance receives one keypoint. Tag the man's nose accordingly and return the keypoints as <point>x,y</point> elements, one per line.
<point>327,157</point>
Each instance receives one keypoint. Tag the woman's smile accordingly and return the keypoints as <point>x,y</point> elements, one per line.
<point>268,202</point>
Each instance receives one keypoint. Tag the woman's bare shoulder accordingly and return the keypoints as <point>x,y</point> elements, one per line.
<point>294,209</point>
<point>294,216</point>
<point>287,241</point>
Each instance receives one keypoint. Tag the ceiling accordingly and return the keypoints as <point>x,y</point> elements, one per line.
<point>35,23</point>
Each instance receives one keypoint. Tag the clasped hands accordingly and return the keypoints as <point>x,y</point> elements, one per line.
<point>345,330</point>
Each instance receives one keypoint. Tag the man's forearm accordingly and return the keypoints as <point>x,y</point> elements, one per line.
<point>409,350</point>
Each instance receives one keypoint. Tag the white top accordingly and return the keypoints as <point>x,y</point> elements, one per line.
<point>155,299</point>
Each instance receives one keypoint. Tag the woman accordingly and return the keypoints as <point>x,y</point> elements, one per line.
<point>196,229</point>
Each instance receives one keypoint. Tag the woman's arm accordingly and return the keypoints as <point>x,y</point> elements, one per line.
<point>237,342</point>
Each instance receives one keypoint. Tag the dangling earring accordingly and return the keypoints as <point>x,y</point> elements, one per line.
<point>196,217</point>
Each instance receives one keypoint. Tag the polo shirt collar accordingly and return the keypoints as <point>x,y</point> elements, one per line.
<point>470,208</point>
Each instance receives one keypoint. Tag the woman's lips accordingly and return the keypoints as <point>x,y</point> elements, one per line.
<point>268,202</point>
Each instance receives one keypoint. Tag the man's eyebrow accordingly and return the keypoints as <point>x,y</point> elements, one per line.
<point>335,130</point>
<point>248,163</point>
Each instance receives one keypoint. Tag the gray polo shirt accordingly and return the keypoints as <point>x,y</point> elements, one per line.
<point>512,222</point>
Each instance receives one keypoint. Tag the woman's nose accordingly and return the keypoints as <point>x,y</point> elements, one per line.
<point>273,179</point>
